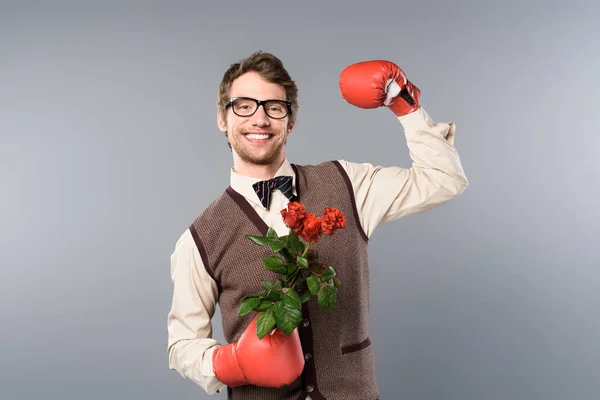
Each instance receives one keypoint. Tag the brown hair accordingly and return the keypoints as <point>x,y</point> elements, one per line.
<point>270,68</point>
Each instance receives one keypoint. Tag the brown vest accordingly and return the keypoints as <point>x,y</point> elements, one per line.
<point>340,363</point>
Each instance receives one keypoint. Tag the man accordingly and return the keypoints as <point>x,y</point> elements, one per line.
<point>329,356</point>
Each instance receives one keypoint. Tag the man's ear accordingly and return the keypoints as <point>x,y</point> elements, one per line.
<point>290,129</point>
<point>221,122</point>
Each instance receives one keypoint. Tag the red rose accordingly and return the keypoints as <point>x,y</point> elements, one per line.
<point>332,220</point>
<point>310,230</point>
<point>294,214</point>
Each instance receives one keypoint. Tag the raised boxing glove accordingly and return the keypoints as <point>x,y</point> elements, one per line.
<point>377,83</point>
<point>274,361</point>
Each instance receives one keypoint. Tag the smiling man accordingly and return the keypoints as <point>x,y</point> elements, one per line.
<point>257,137</point>
<point>330,355</point>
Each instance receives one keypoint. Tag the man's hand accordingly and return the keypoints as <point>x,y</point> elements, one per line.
<point>376,83</point>
<point>274,361</point>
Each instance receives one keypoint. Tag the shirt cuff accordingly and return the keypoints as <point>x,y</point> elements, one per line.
<point>417,119</point>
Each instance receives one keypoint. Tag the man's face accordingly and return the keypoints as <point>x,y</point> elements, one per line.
<point>247,134</point>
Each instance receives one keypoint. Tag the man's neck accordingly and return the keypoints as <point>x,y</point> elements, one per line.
<point>267,171</point>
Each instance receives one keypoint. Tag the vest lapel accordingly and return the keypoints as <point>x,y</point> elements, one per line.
<point>248,210</point>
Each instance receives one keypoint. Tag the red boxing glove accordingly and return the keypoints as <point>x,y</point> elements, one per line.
<point>376,83</point>
<point>274,361</point>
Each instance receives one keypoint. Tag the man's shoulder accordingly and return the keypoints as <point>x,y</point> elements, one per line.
<point>335,169</point>
<point>313,165</point>
<point>323,165</point>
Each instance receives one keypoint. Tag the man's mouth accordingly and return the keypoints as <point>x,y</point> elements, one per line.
<point>258,136</point>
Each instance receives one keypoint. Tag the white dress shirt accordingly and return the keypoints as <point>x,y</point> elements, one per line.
<point>382,194</point>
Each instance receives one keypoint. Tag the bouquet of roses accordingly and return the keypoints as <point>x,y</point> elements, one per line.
<point>280,303</point>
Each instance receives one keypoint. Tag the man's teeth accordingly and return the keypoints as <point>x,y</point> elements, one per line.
<point>256,136</point>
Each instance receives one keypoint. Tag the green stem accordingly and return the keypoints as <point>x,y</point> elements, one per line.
<point>294,278</point>
<point>306,249</point>
<point>308,246</point>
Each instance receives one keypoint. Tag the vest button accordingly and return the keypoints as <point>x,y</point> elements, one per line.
<point>308,356</point>
<point>310,388</point>
<point>305,323</point>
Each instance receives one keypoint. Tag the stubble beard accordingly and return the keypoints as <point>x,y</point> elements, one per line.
<point>247,156</point>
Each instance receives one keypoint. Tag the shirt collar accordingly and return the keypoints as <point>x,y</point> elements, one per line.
<point>243,184</point>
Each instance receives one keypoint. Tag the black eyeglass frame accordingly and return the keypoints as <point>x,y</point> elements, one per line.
<point>258,104</point>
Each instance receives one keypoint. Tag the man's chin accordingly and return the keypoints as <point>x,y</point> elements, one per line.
<point>258,159</point>
<point>261,161</point>
<point>266,159</point>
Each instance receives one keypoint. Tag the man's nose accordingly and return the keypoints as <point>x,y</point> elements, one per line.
<point>260,117</point>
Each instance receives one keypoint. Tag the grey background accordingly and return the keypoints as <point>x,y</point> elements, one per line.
<point>109,147</point>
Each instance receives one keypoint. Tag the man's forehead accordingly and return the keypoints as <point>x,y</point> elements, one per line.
<point>253,85</point>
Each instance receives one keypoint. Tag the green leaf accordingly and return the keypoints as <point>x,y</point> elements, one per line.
<point>292,240</point>
<point>274,295</point>
<point>267,285</point>
<point>277,245</point>
<point>263,306</point>
<point>287,317</point>
<point>295,245</point>
<point>252,295</point>
<point>292,299</point>
<point>264,323</point>
<point>275,264</point>
<point>327,297</point>
<point>259,239</point>
<point>248,305</point>
<point>271,234</point>
<point>285,252</point>
<point>302,262</point>
<point>291,268</point>
<point>313,284</point>
<point>274,261</point>
<point>328,274</point>
<point>304,297</point>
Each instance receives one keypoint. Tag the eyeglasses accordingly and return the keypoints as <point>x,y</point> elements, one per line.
<point>246,107</point>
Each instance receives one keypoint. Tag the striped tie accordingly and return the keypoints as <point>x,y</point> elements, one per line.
<point>263,188</point>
